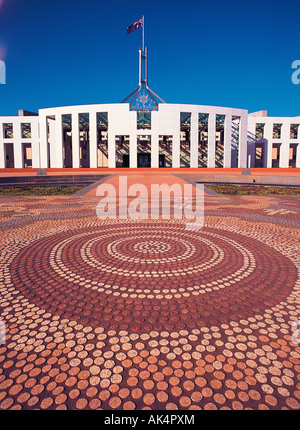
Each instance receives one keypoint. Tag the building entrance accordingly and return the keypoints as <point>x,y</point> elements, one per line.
<point>144,160</point>
<point>125,160</point>
<point>162,162</point>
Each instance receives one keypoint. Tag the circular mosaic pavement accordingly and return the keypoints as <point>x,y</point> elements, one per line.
<point>105,276</point>
<point>148,315</point>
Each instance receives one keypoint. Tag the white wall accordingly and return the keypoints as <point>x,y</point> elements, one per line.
<point>17,139</point>
<point>285,139</point>
<point>165,121</point>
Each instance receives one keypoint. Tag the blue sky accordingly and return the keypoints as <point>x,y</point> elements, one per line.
<point>224,53</point>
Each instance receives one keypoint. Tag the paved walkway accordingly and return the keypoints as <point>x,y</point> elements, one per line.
<point>276,176</point>
<point>145,180</point>
<point>122,314</point>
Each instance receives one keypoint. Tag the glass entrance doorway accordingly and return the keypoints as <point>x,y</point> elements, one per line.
<point>144,160</point>
<point>125,160</point>
<point>162,160</point>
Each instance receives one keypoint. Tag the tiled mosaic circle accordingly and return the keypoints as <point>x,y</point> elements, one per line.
<point>105,275</point>
<point>148,315</point>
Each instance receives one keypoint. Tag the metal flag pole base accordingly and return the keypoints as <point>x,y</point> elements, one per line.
<point>143,98</point>
<point>133,93</point>
<point>156,95</point>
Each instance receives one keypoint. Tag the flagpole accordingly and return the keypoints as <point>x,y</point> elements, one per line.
<point>143,35</point>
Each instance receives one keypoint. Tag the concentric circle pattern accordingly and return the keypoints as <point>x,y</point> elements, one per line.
<point>149,315</point>
<point>93,274</point>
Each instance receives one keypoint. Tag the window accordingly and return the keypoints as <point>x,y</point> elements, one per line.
<point>8,131</point>
<point>202,139</point>
<point>185,126</point>
<point>220,127</point>
<point>277,131</point>
<point>102,139</point>
<point>102,128</point>
<point>122,151</point>
<point>259,131</point>
<point>143,120</point>
<point>26,131</point>
<point>185,138</point>
<point>84,133</point>
<point>165,151</point>
<point>294,131</point>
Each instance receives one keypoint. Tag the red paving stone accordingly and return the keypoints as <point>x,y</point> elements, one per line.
<point>122,314</point>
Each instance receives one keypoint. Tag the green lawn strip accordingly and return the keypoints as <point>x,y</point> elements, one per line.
<point>63,190</point>
<point>252,190</point>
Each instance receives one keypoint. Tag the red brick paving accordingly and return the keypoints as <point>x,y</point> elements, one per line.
<point>121,314</point>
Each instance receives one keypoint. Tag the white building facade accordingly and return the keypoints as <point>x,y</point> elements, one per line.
<point>174,135</point>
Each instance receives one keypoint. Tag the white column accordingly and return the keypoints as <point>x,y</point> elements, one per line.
<point>194,140</point>
<point>284,154</point>
<point>2,155</point>
<point>75,141</point>
<point>227,141</point>
<point>133,150</point>
<point>211,140</point>
<point>35,147</point>
<point>112,150</point>
<point>18,153</point>
<point>43,163</point>
<point>243,141</point>
<point>93,139</point>
<point>268,135</point>
<point>52,141</point>
<point>154,150</point>
<point>266,154</point>
<point>176,149</point>
<point>297,155</point>
<point>58,141</point>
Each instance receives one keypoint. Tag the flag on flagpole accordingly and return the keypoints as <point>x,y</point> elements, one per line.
<point>135,26</point>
